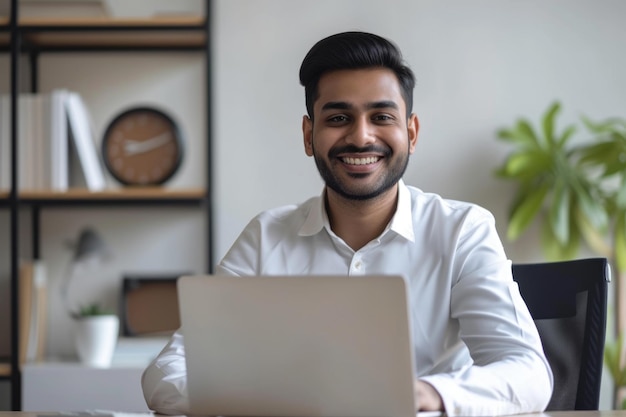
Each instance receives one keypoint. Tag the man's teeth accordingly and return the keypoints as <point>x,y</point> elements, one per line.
<point>360,161</point>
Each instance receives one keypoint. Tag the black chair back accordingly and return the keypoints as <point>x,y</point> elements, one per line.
<point>568,302</point>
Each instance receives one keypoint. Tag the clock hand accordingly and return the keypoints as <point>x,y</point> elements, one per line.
<point>132,147</point>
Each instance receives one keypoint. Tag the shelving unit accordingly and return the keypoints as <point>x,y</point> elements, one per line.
<point>34,36</point>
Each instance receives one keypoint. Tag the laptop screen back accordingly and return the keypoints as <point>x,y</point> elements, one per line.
<point>297,346</point>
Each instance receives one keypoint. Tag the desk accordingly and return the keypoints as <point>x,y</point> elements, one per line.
<point>73,387</point>
<point>608,413</point>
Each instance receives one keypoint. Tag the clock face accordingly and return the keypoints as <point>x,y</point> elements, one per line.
<point>142,146</point>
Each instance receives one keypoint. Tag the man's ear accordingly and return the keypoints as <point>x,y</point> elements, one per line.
<point>307,135</point>
<point>413,127</point>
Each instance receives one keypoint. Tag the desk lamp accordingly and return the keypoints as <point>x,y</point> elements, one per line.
<point>88,248</point>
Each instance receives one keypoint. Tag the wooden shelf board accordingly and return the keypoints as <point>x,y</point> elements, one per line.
<point>100,22</point>
<point>116,39</point>
<point>138,193</point>
<point>156,21</point>
<point>5,369</point>
<point>71,32</point>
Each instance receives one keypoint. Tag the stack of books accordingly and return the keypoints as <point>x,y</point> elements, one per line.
<point>49,126</point>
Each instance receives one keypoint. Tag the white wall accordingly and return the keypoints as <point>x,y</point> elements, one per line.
<point>479,64</point>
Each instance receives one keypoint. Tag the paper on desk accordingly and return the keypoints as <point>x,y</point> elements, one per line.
<point>110,413</point>
<point>101,413</point>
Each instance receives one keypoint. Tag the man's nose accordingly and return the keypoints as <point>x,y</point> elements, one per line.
<point>361,133</point>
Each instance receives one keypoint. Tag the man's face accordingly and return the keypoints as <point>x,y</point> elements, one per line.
<point>360,137</point>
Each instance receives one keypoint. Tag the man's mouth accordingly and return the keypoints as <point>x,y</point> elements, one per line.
<point>360,161</point>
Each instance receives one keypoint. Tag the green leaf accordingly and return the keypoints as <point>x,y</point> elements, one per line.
<point>567,134</point>
<point>609,125</point>
<point>620,196</point>
<point>620,242</point>
<point>525,129</point>
<point>614,166</point>
<point>592,236</point>
<point>555,251</point>
<point>93,310</point>
<point>612,360</point>
<point>524,164</point>
<point>592,209</point>
<point>548,123</point>
<point>598,153</point>
<point>559,214</point>
<point>510,135</point>
<point>522,137</point>
<point>525,211</point>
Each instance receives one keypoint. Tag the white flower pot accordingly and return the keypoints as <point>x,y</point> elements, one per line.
<point>96,337</point>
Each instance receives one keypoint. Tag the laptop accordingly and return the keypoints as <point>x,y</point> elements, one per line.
<point>314,346</point>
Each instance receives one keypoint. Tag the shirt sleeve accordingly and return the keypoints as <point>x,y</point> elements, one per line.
<point>510,373</point>
<point>164,381</point>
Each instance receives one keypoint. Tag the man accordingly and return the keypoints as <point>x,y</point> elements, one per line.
<point>476,345</point>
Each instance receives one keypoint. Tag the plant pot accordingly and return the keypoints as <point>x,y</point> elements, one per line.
<point>96,337</point>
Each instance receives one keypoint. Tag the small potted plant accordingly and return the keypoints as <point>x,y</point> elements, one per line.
<point>96,335</point>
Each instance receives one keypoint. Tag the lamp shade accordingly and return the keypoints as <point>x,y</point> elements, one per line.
<point>89,244</point>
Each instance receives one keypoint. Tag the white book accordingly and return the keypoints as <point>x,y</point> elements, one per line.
<point>26,143</point>
<point>45,136</point>
<point>81,131</point>
<point>5,142</point>
<point>36,164</point>
<point>58,141</point>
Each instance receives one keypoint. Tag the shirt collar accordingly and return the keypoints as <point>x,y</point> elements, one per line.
<point>316,219</point>
<point>401,222</point>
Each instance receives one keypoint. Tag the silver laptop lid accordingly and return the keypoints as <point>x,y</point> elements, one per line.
<point>315,346</point>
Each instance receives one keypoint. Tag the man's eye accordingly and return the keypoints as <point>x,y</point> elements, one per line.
<point>338,119</point>
<point>383,117</point>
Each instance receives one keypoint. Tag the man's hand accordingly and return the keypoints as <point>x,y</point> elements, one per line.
<point>427,397</point>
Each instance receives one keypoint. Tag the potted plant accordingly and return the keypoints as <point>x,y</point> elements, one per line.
<point>577,194</point>
<point>96,335</point>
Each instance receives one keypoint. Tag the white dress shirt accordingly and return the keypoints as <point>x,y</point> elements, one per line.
<point>474,338</point>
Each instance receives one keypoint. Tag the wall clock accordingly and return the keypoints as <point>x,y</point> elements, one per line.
<point>142,146</point>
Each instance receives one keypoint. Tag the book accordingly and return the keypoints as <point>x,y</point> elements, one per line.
<point>59,144</point>
<point>5,142</point>
<point>32,311</point>
<point>81,132</point>
<point>26,143</point>
<point>25,288</point>
<point>37,156</point>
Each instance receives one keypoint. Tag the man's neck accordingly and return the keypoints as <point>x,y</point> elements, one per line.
<point>358,222</point>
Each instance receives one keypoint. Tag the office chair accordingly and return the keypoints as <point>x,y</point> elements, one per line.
<point>568,302</point>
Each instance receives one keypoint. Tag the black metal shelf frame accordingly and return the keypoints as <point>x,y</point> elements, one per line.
<point>18,44</point>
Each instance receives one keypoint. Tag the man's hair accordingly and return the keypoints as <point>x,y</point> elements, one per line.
<point>353,50</point>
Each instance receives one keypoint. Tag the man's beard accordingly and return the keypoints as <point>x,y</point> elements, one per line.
<point>392,175</point>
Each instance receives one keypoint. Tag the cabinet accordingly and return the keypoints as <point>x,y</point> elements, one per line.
<point>27,41</point>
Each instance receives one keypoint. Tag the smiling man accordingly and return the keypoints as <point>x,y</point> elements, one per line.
<point>476,346</point>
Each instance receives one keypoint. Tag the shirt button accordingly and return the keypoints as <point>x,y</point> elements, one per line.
<point>358,265</point>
